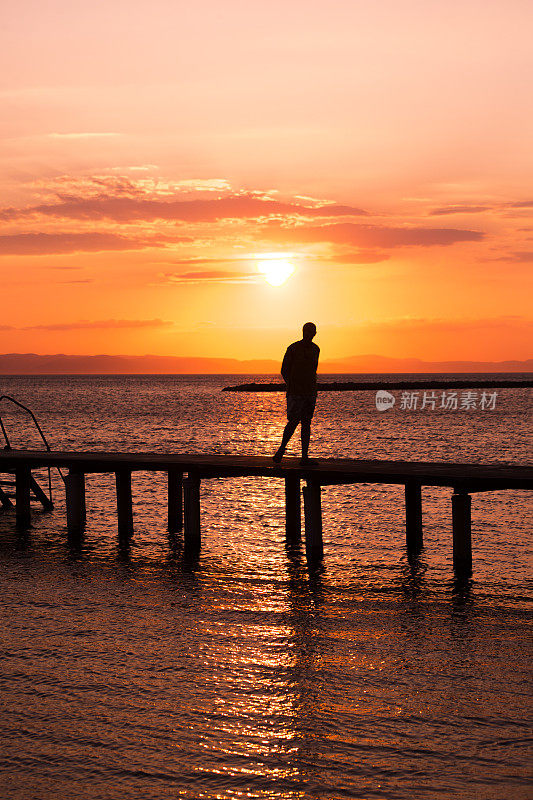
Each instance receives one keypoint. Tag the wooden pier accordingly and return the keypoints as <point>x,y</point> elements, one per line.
<point>184,492</point>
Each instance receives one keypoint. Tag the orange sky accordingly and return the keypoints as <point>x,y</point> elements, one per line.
<point>153,153</point>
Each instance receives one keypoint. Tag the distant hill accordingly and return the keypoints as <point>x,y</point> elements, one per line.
<point>59,364</point>
<point>385,364</point>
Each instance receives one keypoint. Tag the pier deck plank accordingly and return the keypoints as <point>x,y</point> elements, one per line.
<point>467,477</point>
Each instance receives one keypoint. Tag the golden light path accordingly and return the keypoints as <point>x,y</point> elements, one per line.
<point>276,269</point>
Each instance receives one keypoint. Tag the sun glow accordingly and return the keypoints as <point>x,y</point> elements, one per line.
<point>276,270</point>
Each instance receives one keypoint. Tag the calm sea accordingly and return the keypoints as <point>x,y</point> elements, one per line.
<point>136,673</point>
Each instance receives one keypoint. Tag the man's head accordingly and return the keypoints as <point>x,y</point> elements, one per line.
<point>309,330</point>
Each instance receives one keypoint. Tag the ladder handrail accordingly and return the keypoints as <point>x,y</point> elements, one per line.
<point>43,437</point>
<point>32,415</point>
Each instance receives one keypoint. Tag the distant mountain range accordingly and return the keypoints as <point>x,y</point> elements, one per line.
<point>59,364</point>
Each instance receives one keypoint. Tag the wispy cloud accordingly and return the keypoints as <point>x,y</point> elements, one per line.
<point>457,325</point>
<point>104,324</point>
<point>127,209</point>
<point>369,236</point>
<point>83,135</point>
<point>436,212</point>
<point>479,208</point>
<point>517,257</point>
<point>521,204</point>
<point>80,280</point>
<point>199,262</point>
<point>359,257</point>
<point>57,243</point>
<point>212,276</point>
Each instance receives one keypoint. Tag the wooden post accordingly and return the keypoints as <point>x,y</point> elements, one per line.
<point>293,513</point>
<point>175,500</point>
<point>75,492</point>
<point>191,497</point>
<point>22,493</point>
<point>124,503</point>
<point>314,547</point>
<point>413,517</point>
<point>462,532</point>
<point>83,501</point>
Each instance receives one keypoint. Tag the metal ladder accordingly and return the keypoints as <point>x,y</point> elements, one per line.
<point>37,492</point>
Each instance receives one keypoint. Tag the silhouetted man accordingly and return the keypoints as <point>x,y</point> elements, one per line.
<point>299,373</point>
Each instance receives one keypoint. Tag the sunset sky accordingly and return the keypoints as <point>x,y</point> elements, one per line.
<point>154,155</point>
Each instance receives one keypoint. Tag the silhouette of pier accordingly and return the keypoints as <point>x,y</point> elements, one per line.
<point>185,474</point>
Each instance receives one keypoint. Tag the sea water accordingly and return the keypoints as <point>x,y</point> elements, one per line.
<point>137,672</point>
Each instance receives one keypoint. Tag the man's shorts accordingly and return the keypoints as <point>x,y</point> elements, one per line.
<point>300,406</point>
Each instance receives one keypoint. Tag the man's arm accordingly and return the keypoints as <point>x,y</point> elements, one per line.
<point>317,355</point>
<point>287,365</point>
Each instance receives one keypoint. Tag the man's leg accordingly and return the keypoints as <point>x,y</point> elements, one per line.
<point>306,436</point>
<point>308,409</point>
<point>290,427</point>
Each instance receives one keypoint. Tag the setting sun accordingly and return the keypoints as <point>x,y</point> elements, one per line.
<point>276,270</point>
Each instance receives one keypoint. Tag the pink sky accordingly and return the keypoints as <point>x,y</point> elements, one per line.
<point>153,153</point>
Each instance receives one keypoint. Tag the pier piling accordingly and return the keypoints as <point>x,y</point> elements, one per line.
<point>314,547</point>
<point>293,512</point>
<point>124,503</point>
<point>175,500</point>
<point>22,495</point>
<point>75,498</point>
<point>462,532</point>
<point>191,497</point>
<point>184,495</point>
<point>413,517</point>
